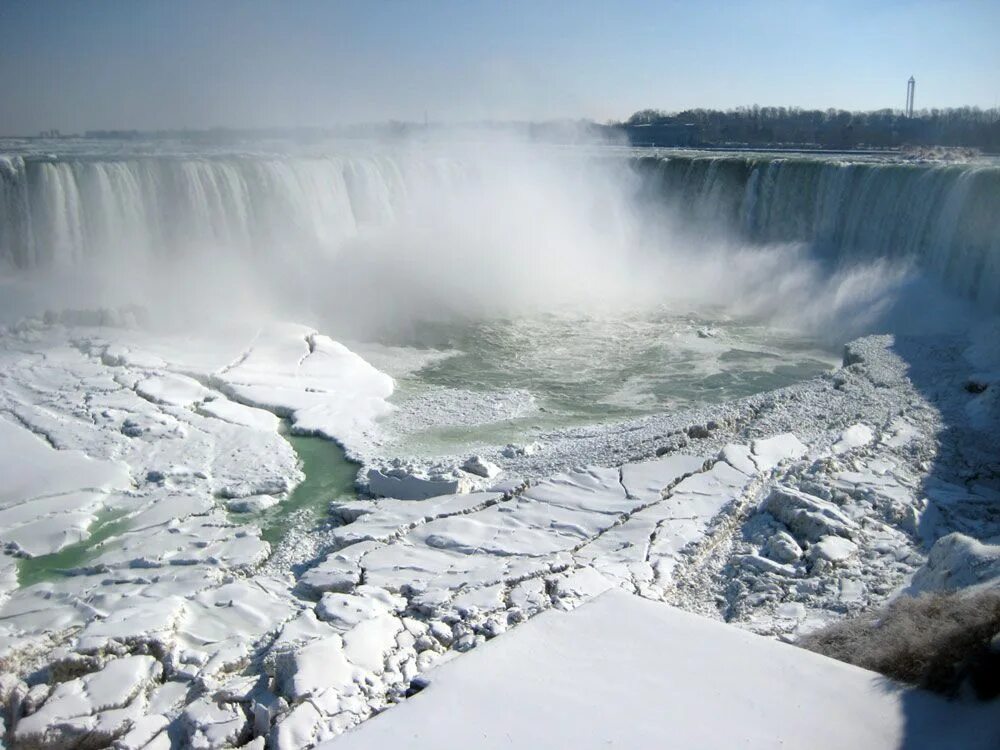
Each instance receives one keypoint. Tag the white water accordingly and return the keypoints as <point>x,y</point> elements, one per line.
<point>368,241</point>
<point>942,218</point>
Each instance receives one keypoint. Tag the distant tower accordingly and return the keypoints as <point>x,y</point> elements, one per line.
<point>911,86</point>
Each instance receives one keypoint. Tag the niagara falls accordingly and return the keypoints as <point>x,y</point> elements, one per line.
<point>499,375</point>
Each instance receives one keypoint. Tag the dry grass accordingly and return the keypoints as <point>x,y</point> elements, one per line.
<point>937,641</point>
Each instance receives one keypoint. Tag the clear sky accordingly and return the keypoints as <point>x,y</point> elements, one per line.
<point>148,64</point>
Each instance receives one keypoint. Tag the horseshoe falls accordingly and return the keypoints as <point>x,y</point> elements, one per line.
<point>944,217</point>
<point>63,213</point>
<point>68,211</point>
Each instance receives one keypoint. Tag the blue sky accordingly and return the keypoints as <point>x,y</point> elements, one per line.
<point>152,63</point>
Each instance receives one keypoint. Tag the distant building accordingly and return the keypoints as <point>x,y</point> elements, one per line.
<point>911,86</point>
<point>49,134</point>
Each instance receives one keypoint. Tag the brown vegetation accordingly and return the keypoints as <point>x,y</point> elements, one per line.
<point>938,641</point>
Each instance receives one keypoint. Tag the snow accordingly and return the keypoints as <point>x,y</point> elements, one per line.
<point>674,678</point>
<point>769,452</point>
<point>784,515</point>
<point>957,561</point>
<point>172,389</point>
<point>853,437</point>
<point>237,413</point>
<point>33,469</point>
<point>322,386</point>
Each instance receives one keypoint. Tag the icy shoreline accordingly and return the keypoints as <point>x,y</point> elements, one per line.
<point>777,513</point>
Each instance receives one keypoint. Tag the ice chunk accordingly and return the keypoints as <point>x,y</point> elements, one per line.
<point>411,483</point>
<point>172,389</point>
<point>770,452</point>
<point>808,517</point>
<point>853,437</point>
<point>833,549</point>
<point>80,707</point>
<point>481,467</point>
<point>247,416</point>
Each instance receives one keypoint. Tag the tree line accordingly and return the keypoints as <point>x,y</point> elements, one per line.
<point>967,127</point>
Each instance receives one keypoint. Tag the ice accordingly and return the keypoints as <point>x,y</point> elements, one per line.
<point>369,642</point>
<point>676,498</point>
<point>214,724</point>
<point>808,517</point>
<point>86,706</point>
<point>409,482</point>
<point>324,388</point>
<point>344,611</point>
<point>479,600</point>
<point>172,389</point>
<point>149,621</point>
<point>389,517</point>
<point>956,562</point>
<point>783,548</point>
<point>833,549</point>
<point>647,480</point>
<point>49,533</point>
<point>853,437</point>
<point>481,467</point>
<point>237,413</point>
<point>319,666</point>
<point>769,452</point>
<point>32,469</point>
<point>739,457</point>
<point>582,584</point>
<point>251,504</point>
<point>341,571</point>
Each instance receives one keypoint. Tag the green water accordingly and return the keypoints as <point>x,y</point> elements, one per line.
<point>46,567</point>
<point>587,370</point>
<point>328,476</point>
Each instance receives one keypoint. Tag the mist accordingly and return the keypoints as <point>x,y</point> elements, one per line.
<point>369,241</point>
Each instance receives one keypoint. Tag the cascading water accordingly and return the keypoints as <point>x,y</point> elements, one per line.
<point>944,217</point>
<point>61,212</point>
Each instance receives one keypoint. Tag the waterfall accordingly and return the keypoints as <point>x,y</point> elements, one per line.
<point>943,217</point>
<point>61,212</point>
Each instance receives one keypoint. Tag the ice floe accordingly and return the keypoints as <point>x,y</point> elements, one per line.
<point>776,513</point>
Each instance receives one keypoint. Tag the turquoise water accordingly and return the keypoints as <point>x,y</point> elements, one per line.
<point>546,372</point>
<point>328,476</point>
<point>46,567</point>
